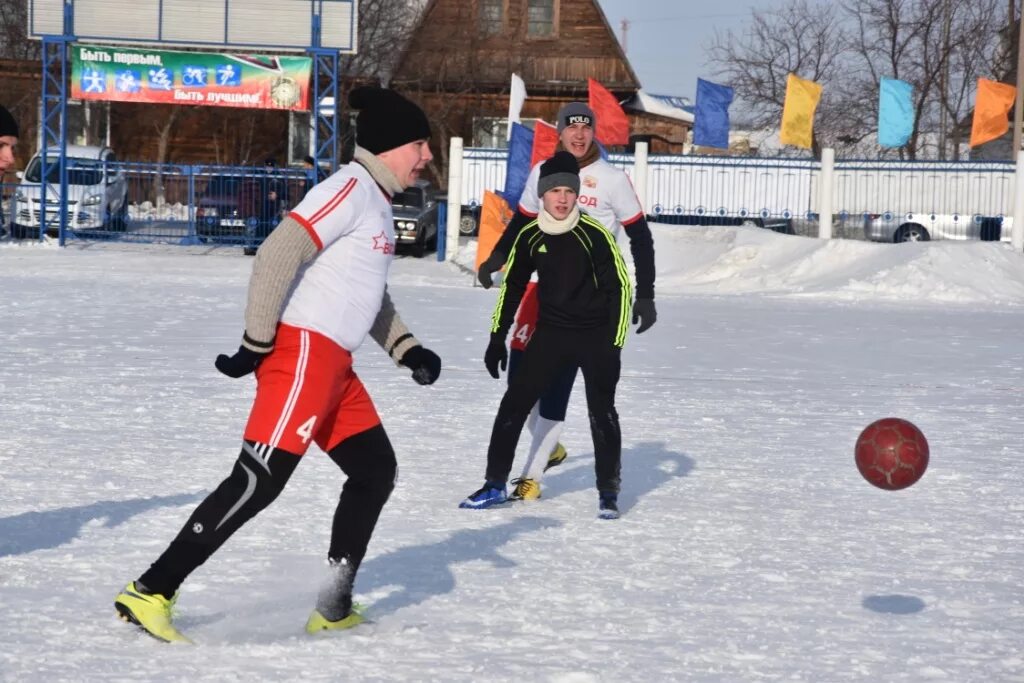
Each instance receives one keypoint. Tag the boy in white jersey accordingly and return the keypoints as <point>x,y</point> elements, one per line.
<point>607,196</point>
<point>318,287</point>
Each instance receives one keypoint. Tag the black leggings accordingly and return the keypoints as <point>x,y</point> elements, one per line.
<point>259,475</point>
<point>550,353</point>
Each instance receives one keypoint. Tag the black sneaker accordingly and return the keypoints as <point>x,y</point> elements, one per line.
<point>608,507</point>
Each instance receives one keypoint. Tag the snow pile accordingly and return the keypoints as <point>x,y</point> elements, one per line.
<point>750,260</point>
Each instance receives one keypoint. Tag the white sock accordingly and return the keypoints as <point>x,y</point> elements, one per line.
<point>545,437</point>
<point>531,419</point>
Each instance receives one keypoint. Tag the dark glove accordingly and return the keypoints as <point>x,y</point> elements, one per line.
<point>496,355</point>
<point>242,363</point>
<point>644,313</point>
<point>424,363</point>
<point>491,265</point>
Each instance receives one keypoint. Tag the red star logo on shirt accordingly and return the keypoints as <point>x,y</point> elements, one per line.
<point>382,243</point>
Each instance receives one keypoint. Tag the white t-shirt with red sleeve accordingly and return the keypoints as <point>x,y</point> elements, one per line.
<point>606,194</point>
<point>339,293</point>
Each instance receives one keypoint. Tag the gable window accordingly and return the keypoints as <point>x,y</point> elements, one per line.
<point>491,16</point>
<point>540,16</point>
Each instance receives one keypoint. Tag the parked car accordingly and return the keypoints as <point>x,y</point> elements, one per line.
<point>97,194</point>
<point>240,209</point>
<point>415,211</point>
<point>919,227</point>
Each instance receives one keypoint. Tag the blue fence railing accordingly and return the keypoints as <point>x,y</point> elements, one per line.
<point>131,201</point>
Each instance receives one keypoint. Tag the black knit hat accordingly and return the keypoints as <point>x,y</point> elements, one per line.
<point>575,112</point>
<point>8,126</point>
<point>386,120</point>
<point>561,170</point>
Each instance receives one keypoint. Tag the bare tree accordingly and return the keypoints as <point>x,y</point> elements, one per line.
<point>970,58</point>
<point>940,47</point>
<point>802,38</point>
<point>14,43</point>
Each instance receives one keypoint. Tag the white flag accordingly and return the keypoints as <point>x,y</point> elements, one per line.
<point>516,97</point>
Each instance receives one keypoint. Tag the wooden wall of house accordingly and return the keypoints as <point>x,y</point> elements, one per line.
<point>449,51</point>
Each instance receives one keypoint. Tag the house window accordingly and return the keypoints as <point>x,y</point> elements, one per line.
<point>491,16</point>
<point>540,19</point>
<point>491,132</point>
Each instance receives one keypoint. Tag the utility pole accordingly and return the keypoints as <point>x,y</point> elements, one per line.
<point>1018,106</point>
<point>625,35</point>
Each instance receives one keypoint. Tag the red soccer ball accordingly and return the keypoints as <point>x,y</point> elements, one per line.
<point>891,453</point>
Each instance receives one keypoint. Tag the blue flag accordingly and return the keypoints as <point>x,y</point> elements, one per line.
<point>895,113</point>
<point>711,115</point>
<point>517,167</point>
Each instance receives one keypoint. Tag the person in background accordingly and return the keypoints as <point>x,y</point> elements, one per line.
<point>318,288</point>
<point>8,140</point>
<point>8,143</point>
<point>606,195</point>
<point>583,297</point>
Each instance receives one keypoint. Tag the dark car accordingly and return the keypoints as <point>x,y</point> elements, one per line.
<point>240,209</point>
<point>415,210</point>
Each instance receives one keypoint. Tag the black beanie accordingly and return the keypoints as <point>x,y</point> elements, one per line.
<point>386,120</point>
<point>561,170</point>
<point>8,126</point>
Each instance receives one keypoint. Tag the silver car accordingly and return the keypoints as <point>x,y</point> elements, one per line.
<point>919,227</point>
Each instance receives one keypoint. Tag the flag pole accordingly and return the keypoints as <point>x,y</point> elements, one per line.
<point>1018,107</point>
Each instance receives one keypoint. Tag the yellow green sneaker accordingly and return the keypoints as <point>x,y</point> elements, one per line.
<point>318,622</point>
<point>525,489</point>
<point>150,612</point>
<point>557,457</point>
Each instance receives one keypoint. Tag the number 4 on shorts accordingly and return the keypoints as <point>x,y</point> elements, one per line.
<point>305,430</point>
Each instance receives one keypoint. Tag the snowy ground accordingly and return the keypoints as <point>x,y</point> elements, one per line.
<point>750,549</point>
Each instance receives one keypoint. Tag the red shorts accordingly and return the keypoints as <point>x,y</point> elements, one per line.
<point>526,318</point>
<point>306,390</point>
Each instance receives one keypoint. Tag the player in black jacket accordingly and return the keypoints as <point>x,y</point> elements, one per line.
<point>584,299</point>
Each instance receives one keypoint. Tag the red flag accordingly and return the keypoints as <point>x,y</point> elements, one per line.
<point>545,139</point>
<point>612,123</point>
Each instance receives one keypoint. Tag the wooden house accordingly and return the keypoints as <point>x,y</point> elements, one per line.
<point>460,58</point>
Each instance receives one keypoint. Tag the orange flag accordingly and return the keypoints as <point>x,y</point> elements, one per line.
<point>494,216</point>
<point>612,122</point>
<point>545,139</point>
<point>991,109</point>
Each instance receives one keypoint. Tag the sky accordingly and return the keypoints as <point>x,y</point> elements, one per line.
<point>667,40</point>
<point>750,549</point>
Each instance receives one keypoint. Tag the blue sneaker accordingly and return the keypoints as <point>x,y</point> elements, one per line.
<point>608,507</point>
<point>492,493</point>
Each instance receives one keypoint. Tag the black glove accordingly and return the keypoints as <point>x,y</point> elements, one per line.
<point>644,313</point>
<point>242,363</point>
<point>424,363</point>
<point>491,265</point>
<point>496,355</point>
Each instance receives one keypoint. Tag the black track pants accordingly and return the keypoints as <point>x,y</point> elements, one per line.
<point>550,351</point>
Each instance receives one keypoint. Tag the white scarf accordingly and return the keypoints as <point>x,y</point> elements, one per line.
<point>550,225</point>
<point>384,176</point>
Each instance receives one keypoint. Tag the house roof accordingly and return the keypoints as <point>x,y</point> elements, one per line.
<point>669,106</point>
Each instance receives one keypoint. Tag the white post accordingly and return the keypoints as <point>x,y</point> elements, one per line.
<point>1017,235</point>
<point>640,170</point>
<point>825,183</point>
<point>454,197</point>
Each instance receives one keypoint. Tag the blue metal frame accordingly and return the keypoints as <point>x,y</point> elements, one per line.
<point>55,100</point>
<point>325,67</point>
<point>54,119</point>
